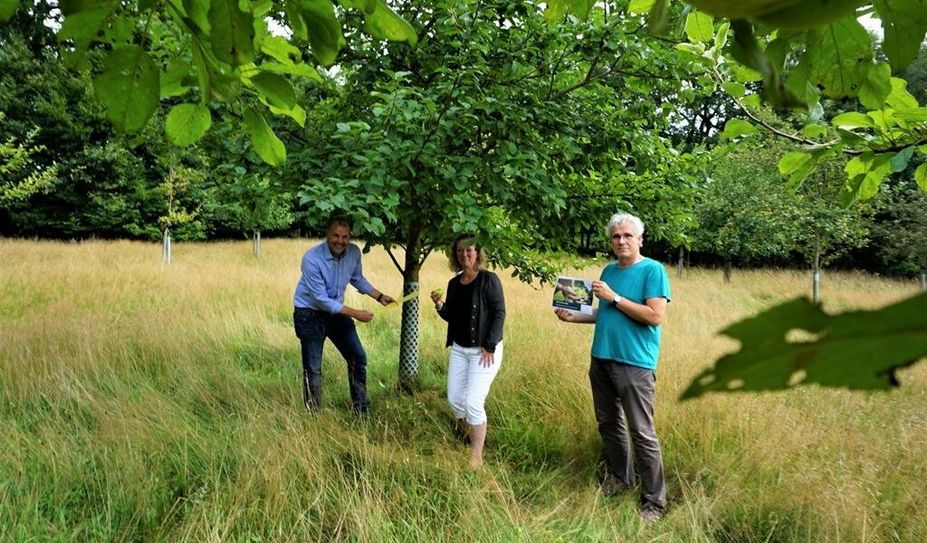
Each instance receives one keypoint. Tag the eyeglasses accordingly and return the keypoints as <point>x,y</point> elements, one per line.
<point>626,237</point>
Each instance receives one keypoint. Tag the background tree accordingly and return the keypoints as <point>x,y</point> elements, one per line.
<point>746,212</point>
<point>825,230</point>
<point>20,178</point>
<point>899,230</point>
<point>176,189</point>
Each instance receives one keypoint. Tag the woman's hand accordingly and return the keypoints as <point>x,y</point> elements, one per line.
<point>436,297</point>
<point>486,358</point>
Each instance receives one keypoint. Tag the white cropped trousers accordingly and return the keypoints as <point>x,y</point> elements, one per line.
<point>468,382</point>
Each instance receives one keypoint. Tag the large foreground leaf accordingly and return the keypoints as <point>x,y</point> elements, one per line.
<point>7,8</point>
<point>266,144</point>
<point>187,123</point>
<point>796,344</point>
<point>129,87</point>
<point>905,23</point>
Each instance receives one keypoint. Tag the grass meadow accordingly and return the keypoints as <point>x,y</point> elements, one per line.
<point>144,402</point>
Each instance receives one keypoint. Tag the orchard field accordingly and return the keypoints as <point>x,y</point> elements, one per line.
<point>144,402</point>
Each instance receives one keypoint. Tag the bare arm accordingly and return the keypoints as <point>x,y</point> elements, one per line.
<point>573,316</point>
<point>650,312</point>
<point>360,314</point>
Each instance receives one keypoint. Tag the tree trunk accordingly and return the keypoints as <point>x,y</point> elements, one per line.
<point>727,271</point>
<point>408,332</point>
<point>166,247</point>
<point>256,242</point>
<point>924,280</point>
<point>680,264</point>
<point>816,272</point>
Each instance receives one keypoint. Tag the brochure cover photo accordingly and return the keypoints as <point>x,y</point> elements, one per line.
<point>574,294</point>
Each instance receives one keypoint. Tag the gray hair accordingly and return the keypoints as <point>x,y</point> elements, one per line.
<point>637,225</point>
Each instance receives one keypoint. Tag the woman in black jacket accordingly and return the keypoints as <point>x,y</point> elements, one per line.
<point>475,313</point>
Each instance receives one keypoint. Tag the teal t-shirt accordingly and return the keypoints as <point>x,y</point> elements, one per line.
<point>617,336</point>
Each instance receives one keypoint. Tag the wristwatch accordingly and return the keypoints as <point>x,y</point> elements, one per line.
<point>617,300</point>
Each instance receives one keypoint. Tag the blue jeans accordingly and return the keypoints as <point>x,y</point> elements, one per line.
<point>623,399</point>
<point>312,327</point>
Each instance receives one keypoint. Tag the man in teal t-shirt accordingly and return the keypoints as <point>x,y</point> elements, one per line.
<point>633,293</point>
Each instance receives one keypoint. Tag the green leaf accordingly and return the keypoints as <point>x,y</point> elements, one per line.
<point>858,165</point>
<point>875,86</point>
<point>699,27</point>
<point>558,9</point>
<point>858,350</point>
<point>266,144</point>
<point>804,15</point>
<point>275,89</point>
<point>296,113</point>
<point>752,101</point>
<point>867,172</point>
<point>232,32</point>
<point>841,54</point>
<point>735,89</point>
<point>746,50</point>
<point>792,161</point>
<point>364,5</point>
<point>186,124</point>
<point>920,175</point>
<point>696,49</point>
<point>198,11</point>
<point>736,128</point>
<point>322,28</point>
<point>904,23</point>
<point>853,119</point>
<point>172,79</point>
<point>7,9</point>
<point>385,24</point>
<point>84,21</point>
<point>657,17</point>
<point>202,74</point>
<point>128,87</point>
<point>913,114</point>
<point>900,98</point>
<point>814,130</point>
<point>900,161</point>
<point>295,19</point>
<point>640,6</point>
<point>301,69</point>
<point>281,50</point>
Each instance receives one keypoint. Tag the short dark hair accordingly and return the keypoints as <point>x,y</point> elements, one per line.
<point>339,220</point>
<point>468,240</point>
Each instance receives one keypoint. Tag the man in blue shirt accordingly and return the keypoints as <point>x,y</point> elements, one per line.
<point>319,312</point>
<point>633,293</point>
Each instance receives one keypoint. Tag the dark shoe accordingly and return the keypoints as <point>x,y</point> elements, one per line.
<point>651,513</point>
<point>612,486</point>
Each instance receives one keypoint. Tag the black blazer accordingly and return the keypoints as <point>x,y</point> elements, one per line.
<point>488,309</point>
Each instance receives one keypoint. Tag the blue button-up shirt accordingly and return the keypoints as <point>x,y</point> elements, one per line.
<point>324,278</point>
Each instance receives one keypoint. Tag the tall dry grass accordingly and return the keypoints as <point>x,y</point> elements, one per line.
<point>148,402</point>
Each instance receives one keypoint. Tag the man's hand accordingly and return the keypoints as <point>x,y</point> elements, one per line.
<point>363,315</point>
<point>565,315</point>
<point>603,291</point>
<point>386,299</point>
